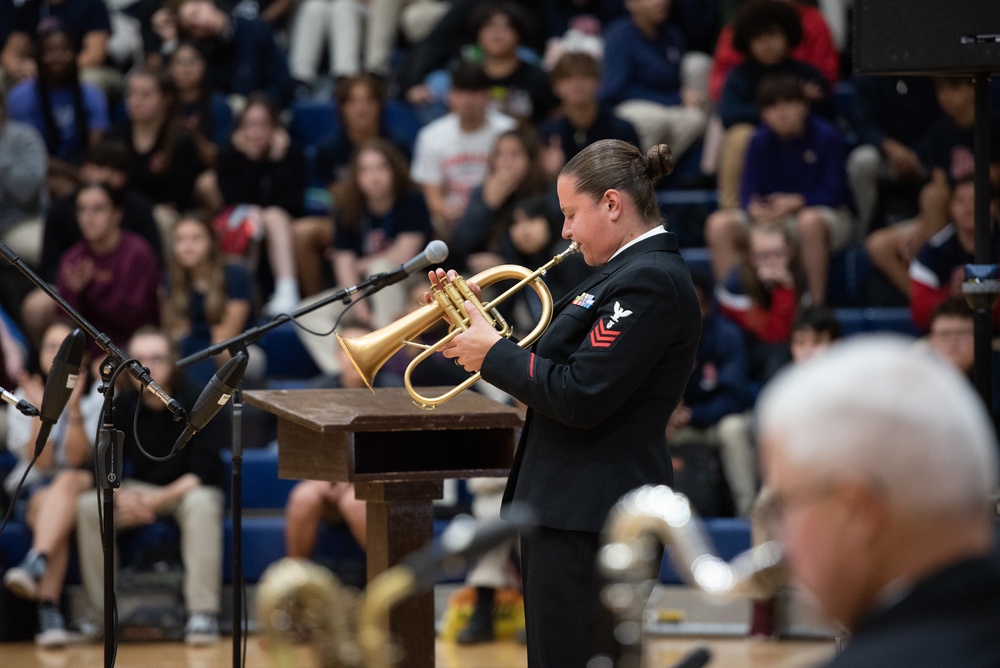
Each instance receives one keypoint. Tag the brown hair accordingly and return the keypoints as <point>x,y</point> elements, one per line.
<point>614,164</point>
<point>258,99</point>
<point>575,63</point>
<point>351,201</point>
<point>753,288</point>
<point>366,79</point>
<point>171,129</point>
<point>178,299</point>
<point>535,180</point>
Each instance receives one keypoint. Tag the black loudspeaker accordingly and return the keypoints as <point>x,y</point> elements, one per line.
<point>926,36</point>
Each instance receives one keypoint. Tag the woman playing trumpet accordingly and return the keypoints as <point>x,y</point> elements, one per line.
<point>599,384</point>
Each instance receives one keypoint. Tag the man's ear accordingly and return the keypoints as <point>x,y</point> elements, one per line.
<point>868,507</point>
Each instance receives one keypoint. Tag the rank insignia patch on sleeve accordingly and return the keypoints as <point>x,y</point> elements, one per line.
<point>601,336</point>
<point>610,326</point>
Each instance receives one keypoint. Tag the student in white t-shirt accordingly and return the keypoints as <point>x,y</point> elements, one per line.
<point>450,157</point>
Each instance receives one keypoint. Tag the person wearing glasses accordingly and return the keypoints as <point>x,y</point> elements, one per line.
<point>888,518</point>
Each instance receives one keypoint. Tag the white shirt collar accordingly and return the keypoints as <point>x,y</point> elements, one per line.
<point>659,229</point>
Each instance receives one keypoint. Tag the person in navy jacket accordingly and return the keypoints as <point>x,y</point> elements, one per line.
<point>599,384</point>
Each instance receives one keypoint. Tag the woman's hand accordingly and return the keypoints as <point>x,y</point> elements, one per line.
<point>439,277</point>
<point>280,142</point>
<point>469,348</point>
<point>32,386</point>
<point>243,144</point>
<point>79,275</point>
<point>500,184</point>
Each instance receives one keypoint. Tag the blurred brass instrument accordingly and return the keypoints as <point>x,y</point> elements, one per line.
<point>369,352</point>
<point>298,600</point>
<point>655,515</point>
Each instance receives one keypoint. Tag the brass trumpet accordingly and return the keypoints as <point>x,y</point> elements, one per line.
<point>369,352</point>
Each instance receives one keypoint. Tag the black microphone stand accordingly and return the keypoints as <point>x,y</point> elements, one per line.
<point>109,475</point>
<point>240,343</point>
<point>109,446</point>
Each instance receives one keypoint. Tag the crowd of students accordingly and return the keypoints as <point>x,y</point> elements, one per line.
<point>148,173</point>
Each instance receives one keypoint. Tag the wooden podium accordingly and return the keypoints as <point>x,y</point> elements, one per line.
<point>398,456</point>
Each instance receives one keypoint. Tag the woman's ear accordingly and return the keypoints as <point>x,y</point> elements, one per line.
<point>613,201</point>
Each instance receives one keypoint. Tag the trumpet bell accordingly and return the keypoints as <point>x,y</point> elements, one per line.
<point>369,352</point>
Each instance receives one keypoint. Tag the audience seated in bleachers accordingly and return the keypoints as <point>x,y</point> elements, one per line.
<point>794,176</point>
<point>652,80</point>
<point>716,389</point>
<point>186,488</point>
<point>261,177</point>
<point>245,56</point>
<point>761,295</point>
<point>360,115</point>
<point>382,221</point>
<point>765,32</point>
<point>513,172</point>
<point>581,119</point>
<point>70,114</point>
<point>938,269</point>
<point>174,127</point>
<point>206,299</point>
<point>890,115</point>
<point>23,168</point>
<point>166,162</point>
<point>111,277</point>
<point>86,22</point>
<point>450,158</point>
<point>946,154</point>
<point>60,472</point>
<point>107,162</point>
<point>204,112</point>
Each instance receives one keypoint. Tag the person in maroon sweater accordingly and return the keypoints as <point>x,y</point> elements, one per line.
<point>112,276</point>
<point>762,295</point>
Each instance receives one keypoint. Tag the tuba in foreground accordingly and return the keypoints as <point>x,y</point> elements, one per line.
<point>653,516</point>
<point>369,352</point>
<point>299,601</point>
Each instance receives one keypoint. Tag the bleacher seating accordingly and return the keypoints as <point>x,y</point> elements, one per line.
<point>286,356</point>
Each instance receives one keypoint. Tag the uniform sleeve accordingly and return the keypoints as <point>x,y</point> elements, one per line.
<point>612,360</point>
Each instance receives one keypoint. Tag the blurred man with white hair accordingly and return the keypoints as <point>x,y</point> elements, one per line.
<point>883,464</point>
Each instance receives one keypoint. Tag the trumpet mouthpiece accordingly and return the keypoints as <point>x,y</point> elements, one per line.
<point>573,248</point>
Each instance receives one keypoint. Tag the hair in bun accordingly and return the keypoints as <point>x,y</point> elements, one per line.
<point>611,164</point>
<point>659,162</point>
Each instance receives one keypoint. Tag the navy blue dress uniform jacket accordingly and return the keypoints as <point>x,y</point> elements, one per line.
<point>600,385</point>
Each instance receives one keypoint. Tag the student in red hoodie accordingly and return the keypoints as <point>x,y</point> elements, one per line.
<point>761,296</point>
